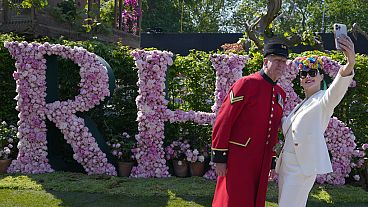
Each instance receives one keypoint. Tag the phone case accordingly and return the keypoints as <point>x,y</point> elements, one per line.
<point>339,30</point>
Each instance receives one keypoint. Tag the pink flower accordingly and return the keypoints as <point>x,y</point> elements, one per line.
<point>152,106</point>
<point>31,88</point>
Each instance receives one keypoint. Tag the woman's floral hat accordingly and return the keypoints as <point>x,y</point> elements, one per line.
<point>309,62</point>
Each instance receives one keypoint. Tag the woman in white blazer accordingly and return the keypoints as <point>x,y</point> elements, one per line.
<point>305,152</point>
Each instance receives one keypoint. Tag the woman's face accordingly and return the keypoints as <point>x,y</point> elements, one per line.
<point>310,79</point>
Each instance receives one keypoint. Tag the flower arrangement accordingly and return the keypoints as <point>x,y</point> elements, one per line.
<point>131,15</point>
<point>309,62</point>
<point>228,70</point>
<point>182,150</point>
<point>8,140</point>
<point>177,150</point>
<point>196,155</point>
<point>31,87</point>
<point>121,147</point>
<point>233,47</point>
<point>153,111</point>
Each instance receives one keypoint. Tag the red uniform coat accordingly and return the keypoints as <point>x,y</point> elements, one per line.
<point>244,135</point>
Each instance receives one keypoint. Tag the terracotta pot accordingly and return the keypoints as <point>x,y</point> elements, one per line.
<point>125,168</point>
<point>180,168</point>
<point>196,168</point>
<point>4,164</point>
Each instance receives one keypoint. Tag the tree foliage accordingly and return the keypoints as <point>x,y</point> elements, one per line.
<point>160,14</point>
<point>302,15</point>
<point>26,4</point>
<point>182,15</point>
<point>346,12</point>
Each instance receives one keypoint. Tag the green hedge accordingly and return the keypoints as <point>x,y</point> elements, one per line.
<point>191,84</point>
<point>7,83</point>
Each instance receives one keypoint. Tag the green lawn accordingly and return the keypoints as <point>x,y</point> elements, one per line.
<point>72,189</point>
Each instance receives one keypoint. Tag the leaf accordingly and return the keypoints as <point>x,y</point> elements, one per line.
<point>26,4</point>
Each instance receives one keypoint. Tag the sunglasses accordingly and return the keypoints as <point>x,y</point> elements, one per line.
<point>312,73</point>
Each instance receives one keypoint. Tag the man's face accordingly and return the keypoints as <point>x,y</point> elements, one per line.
<point>276,65</point>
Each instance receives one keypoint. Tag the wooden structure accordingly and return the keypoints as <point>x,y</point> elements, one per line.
<point>41,23</point>
<point>11,20</point>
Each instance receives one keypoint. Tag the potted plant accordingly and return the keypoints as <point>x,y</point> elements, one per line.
<point>199,137</point>
<point>196,160</point>
<point>8,140</point>
<point>176,152</point>
<point>121,146</point>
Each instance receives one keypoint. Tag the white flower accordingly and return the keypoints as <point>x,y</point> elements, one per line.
<point>6,150</point>
<point>201,158</point>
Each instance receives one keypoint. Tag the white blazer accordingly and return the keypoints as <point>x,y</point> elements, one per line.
<point>308,124</point>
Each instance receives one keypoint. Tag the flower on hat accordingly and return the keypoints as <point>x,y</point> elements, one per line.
<point>309,62</point>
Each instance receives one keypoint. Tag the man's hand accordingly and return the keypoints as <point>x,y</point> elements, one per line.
<point>220,169</point>
<point>272,175</point>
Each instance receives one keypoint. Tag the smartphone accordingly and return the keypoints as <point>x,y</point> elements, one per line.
<point>339,30</point>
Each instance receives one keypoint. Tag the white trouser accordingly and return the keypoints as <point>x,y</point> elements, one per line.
<point>294,186</point>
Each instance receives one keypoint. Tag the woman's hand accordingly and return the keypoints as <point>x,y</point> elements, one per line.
<point>348,49</point>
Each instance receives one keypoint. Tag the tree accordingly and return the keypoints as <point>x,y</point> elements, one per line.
<point>182,15</point>
<point>267,18</point>
<point>38,4</point>
<point>202,16</point>
<point>162,14</point>
<point>298,20</point>
<point>346,12</point>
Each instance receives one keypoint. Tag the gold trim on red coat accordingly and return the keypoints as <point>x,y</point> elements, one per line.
<point>234,99</point>
<point>219,149</point>
<point>240,144</point>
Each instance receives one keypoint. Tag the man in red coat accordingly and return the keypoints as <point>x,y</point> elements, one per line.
<point>245,133</point>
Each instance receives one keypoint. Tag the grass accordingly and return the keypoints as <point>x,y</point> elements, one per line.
<point>73,189</point>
